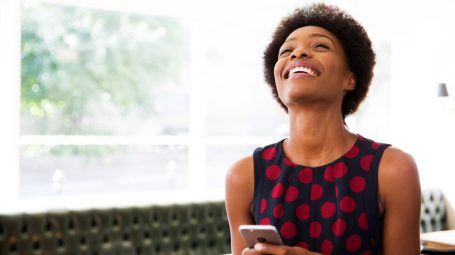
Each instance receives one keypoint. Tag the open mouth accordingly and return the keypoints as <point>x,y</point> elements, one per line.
<point>301,68</point>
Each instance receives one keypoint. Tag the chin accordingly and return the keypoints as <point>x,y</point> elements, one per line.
<point>297,96</point>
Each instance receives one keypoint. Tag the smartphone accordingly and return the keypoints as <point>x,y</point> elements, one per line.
<point>253,234</point>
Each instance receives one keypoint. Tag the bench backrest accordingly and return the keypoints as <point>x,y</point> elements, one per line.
<point>174,229</point>
<point>200,228</point>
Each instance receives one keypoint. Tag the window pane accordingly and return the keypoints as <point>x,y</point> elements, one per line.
<point>96,169</point>
<point>220,158</point>
<point>238,102</point>
<point>87,71</point>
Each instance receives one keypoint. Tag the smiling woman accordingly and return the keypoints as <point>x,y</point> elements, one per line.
<point>327,190</point>
<point>326,46</point>
<point>356,49</point>
<point>182,94</point>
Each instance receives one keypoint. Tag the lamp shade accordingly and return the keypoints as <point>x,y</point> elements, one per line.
<point>442,90</point>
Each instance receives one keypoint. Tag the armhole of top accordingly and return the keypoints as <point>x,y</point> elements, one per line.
<point>374,210</point>
<point>256,202</point>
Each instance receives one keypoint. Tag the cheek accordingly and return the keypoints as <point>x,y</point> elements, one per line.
<point>277,70</point>
<point>333,63</point>
<point>337,67</point>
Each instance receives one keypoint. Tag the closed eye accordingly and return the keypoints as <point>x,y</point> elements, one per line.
<point>285,51</point>
<point>322,45</point>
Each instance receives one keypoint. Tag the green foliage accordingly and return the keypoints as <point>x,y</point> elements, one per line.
<point>82,151</point>
<point>79,64</point>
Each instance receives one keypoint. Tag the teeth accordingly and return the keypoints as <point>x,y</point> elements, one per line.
<point>303,69</point>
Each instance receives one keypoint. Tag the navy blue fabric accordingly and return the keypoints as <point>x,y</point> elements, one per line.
<point>331,209</point>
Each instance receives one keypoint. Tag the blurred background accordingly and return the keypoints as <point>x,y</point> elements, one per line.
<point>108,103</point>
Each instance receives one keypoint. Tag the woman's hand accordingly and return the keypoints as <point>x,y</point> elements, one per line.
<point>265,248</point>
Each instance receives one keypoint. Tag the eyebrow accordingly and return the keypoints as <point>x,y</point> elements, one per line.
<point>312,35</point>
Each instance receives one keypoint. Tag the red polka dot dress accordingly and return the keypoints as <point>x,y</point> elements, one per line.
<point>331,209</point>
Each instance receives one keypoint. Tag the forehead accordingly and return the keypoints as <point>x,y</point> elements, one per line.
<point>311,30</point>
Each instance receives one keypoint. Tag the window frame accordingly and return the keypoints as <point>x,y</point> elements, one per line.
<point>197,140</point>
<point>10,27</point>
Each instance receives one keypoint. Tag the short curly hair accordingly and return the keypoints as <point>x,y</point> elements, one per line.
<point>353,37</point>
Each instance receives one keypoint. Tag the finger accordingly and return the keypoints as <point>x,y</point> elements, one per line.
<point>266,248</point>
<point>250,251</point>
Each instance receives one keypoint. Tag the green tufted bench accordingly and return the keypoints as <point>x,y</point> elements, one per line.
<point>199,228</point>
<point>433,212</point>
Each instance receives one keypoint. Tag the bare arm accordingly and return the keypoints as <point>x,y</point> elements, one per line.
<point>239,196</point>
<point>399,191</point>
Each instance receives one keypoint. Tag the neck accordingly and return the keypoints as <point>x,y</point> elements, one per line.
<point>317,137</point>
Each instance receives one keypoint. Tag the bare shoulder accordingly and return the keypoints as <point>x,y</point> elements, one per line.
<point>239,198</point>
<point>398,176</point>
<point>399,192</point>
<point>239,167</point>
<point>396,163</point>
<point>241,173</point>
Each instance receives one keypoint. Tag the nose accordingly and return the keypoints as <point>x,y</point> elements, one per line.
<point>300,53</point>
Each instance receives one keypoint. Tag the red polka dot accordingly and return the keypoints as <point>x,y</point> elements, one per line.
<point>288,162</point>
<point>357,184</point>
<point>263,205</point>
<point>375,145</point>
<point>347,204</point>
<point>326,247</point>
<point>365,162</point>
<point>316,191</point>
<point>353,243</point>
<point>288,230</point>
<point>328,174</point>
<point>265,221</point>
<point>273,172</point>
<point>303,245</point>
<point>278,211</point>
<point>315,229</point>
<point>363,221</point>
<point>328,209</point>
<point>366,253</point>
<point>291,194</point>
<point>337,191</point>
<point>353,152</point>
<point>340,170</point>
<point>338,227</point>
<point>306,175</point>
<point>278,190</point>
<point>303,212</point>
<point>269,153</point>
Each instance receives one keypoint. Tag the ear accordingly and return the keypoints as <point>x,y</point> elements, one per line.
<point>351,82</point>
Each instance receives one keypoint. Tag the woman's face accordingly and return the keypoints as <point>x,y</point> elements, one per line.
<point>312,68</point>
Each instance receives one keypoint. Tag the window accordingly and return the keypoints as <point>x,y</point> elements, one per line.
<point>117,102</point>
<point>141,102</point>
<point>91,74</point>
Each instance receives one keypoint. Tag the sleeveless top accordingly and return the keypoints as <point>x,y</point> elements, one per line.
<point>331,209</point>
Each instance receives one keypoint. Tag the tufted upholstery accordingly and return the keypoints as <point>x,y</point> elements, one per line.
<point>175,229</point>
<point>433,211</point>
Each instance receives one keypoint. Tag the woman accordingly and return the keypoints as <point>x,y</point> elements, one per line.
<point>326,189</point>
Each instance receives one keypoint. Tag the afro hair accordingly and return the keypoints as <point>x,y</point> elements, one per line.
<point>353,37</point>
